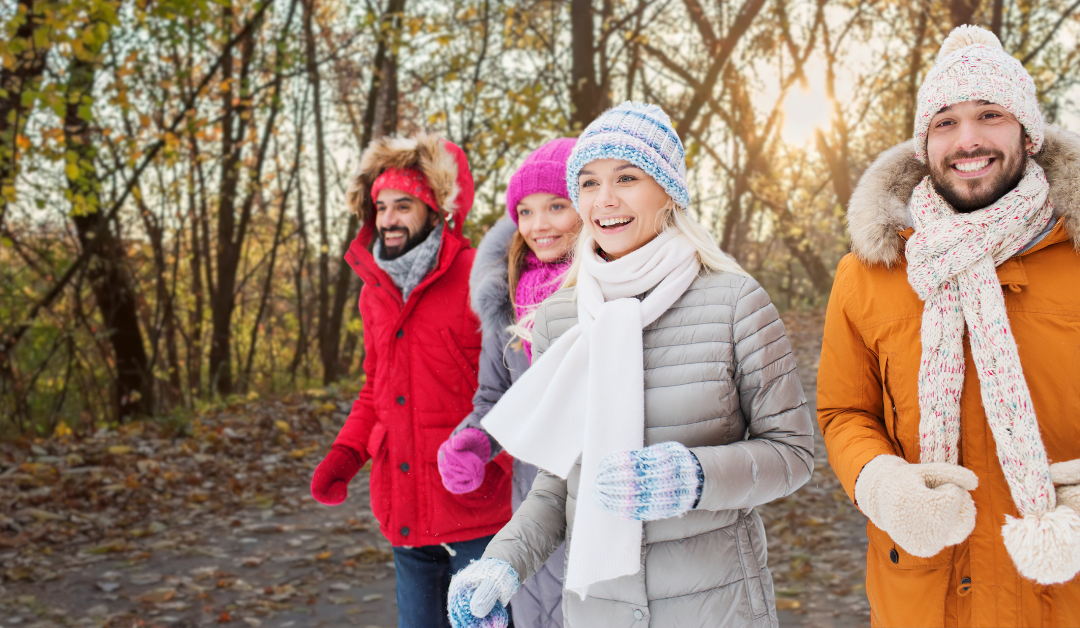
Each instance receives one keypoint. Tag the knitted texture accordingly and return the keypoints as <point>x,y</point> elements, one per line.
<point>640,134</point>
<point>972,65</point>
<point>951,261</point>
<point>462,458</point>
<point>410,269</point>
<point>409,180</point>
<point>539,280</point>
<point>330,482</point>
<point>656,482</point>
<point>480,592</point>
<point>543,171</point>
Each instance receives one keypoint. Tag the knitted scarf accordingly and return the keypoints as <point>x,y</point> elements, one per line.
<point>539,280</point>
<point>410,269</point>
<point>585,397</point>
<point>951,265</point>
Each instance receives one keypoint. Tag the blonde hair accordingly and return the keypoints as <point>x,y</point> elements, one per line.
<point>672,217</point>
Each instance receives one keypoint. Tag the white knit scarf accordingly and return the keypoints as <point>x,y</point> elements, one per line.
<point>951,265</point>
<point>585,396</point>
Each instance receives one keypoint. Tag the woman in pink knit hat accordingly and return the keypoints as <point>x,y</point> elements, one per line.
<point>520,262</point>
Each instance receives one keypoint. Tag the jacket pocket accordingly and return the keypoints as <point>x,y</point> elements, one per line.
<point>467,365</point>
<point>487,505</point>
<point>378,491</point>
<point>891,381</point>
<point>755,593</point>
<point>905,590</point>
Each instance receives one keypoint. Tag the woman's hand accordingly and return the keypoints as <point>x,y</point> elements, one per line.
<point>462,458</point>
<point>657,482</point>
<point>480,592</point>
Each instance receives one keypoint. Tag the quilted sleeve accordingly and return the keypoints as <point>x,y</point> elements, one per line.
<point>778,455</point>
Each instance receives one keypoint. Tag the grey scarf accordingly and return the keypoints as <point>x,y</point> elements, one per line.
<point>410,269</point>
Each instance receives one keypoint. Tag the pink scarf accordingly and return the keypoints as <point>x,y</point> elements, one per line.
<point>539,280</point>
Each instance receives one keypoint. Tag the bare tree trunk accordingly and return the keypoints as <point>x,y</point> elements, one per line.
<point>962,11</point>
<point>588,97</point>
<point>380,119</point>
<point>112,286</point>
<point>17,80</point>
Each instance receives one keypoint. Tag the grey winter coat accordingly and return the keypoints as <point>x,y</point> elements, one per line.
<point>538,603</point>
<point>720,379</point>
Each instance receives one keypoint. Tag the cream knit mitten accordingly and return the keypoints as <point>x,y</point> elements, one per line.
<point>924,508</point>
<point>480,592</point>
<point>1066,477</point>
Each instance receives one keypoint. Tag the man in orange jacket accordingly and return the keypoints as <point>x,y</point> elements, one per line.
<point>949,387</point>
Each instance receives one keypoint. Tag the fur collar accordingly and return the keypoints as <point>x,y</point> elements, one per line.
<point>878,208</point>
<point>489,282</point>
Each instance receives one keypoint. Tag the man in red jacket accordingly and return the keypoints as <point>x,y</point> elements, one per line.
<point>422,344</point>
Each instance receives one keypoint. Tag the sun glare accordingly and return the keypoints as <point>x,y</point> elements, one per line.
<point>804,111</point>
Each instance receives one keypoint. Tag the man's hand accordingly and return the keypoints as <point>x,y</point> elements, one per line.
<point>329,484</point>
<point>923,507</point>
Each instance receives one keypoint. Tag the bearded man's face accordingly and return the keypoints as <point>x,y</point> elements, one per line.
<point>977,151</point>
<point>402,221</point>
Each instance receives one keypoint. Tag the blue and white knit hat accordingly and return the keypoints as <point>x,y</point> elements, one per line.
<point>640,134</point>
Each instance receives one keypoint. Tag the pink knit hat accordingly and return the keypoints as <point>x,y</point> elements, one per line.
<point>544,170</point>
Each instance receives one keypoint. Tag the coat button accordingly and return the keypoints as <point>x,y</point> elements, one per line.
<point>401,400</point>
<point>405,466</point>
<point>400,333</point>
<point>894,556</point>
<point>638,615</point>
<point>405,531</point>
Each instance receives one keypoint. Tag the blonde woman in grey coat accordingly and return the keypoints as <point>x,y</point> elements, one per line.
<point>662,405</point>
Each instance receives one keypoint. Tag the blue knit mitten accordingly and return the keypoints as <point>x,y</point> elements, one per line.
<point>657,482</point>
<point>480,592</point>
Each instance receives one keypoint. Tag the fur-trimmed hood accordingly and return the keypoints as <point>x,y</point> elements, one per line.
<point>878,210</point>
<point>489,282</point>
<point>441,161</point>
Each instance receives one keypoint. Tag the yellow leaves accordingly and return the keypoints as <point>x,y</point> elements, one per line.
<point>296,454</point>
<point>323,556</point>
<point>119,450</point>
<point>62,430</point>
<point>71,171</point>
<point>282,425</point>
<point>787,604</point>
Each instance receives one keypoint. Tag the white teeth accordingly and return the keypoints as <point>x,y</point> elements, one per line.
<point>546,239</point>
<point>973,166</point>
<point>608,222</point>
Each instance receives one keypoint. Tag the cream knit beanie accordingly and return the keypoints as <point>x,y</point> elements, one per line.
<point>972,65</point>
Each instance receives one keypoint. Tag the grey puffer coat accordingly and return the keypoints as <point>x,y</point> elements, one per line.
<point>720,379</point>
<point>537,604</point>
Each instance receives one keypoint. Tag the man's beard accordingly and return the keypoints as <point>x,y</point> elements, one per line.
<point>411,241</point>
<point>951,190</point>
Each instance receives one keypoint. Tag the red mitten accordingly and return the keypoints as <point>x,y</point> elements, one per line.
<point>329,484</point>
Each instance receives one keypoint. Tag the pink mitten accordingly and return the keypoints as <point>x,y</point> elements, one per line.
<point>462,458</point>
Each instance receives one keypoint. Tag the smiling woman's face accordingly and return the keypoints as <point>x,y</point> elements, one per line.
<point>549,225</point>
<point>621,206</point>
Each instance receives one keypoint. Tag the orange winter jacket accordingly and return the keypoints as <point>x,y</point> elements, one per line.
<point>868,401</point>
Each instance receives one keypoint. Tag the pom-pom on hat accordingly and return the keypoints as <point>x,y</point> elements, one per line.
<point>543,171</point>
<point>640,134</point>
<point>972,65</point>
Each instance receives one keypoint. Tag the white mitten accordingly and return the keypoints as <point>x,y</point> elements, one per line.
<point>1066,477</point>
<point>923,507</point>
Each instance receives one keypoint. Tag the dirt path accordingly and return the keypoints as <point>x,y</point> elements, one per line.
<point>144,527</point>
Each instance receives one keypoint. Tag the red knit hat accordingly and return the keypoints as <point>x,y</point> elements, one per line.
<point>408,180</point>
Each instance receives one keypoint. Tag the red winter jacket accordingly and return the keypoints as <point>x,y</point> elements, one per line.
<point>421,360</point>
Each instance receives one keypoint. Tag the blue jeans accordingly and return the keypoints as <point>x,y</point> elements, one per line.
<point>423,580</point>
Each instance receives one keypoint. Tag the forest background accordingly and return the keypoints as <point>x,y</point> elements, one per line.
<point>172,172</point>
